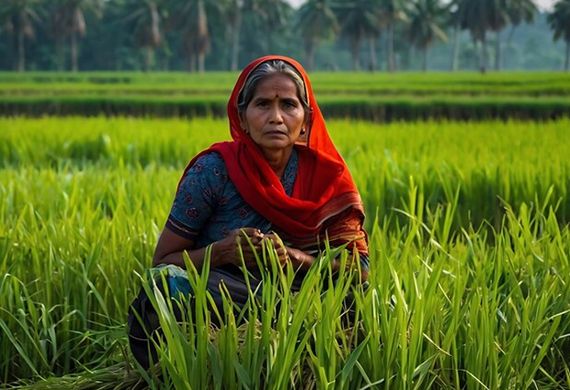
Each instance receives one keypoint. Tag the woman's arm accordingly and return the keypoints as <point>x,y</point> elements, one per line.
<point>171,247</point>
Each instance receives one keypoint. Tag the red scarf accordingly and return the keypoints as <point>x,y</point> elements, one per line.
<point>323,187</point>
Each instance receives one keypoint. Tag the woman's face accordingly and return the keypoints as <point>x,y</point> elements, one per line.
<point>275,116</point>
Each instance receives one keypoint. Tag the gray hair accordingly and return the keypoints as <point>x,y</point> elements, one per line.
<point>269,68</point>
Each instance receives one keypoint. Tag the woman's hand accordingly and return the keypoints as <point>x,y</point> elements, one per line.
<point>251,240</point>
<point>280,248</point>
<point>296,257</point>
<point>227,250</point>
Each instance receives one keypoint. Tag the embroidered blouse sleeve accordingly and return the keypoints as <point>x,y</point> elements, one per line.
<point>197,195</point>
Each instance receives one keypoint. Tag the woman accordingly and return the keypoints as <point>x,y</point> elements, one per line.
<point>281,180</point>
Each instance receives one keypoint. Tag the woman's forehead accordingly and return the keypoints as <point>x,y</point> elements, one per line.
<point>276,85</point>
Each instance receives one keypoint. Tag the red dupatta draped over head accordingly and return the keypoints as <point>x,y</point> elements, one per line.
<point>323,187</point>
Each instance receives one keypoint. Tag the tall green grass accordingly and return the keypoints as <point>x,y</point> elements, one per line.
<point>469,262</point>
<point>483,165</point>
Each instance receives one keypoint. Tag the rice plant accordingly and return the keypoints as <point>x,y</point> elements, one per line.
<point>468,286</point>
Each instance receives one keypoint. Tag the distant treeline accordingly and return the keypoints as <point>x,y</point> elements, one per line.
<point>200,35</point>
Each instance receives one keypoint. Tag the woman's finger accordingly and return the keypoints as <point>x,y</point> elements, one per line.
<point>251,232</point>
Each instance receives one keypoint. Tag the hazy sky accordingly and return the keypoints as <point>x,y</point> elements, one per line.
<point>543,4</point>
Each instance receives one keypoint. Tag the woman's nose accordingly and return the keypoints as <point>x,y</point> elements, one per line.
<point>276,114</point>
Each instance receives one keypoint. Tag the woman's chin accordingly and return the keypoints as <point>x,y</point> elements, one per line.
<point>275,145</point>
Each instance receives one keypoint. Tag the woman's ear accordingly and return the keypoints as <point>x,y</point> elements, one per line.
<point>306,131</point>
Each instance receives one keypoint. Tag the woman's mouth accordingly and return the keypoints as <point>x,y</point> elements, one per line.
<point>275,132</point>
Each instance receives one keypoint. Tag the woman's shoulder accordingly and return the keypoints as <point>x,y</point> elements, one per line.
<point>209,163</point>
<point>211,159</point>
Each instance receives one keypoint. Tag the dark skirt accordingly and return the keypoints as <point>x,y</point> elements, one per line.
<point>143,322</point>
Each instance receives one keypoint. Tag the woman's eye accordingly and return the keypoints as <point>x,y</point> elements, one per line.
<point>289,104</point>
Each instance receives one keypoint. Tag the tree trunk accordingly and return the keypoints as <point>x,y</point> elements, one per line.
<point>372,53</point>
<point>425,59</point>
<point>201,61</point>
<point>192,62</point>
<point>355,52</point>
<point>483,56</point>
<point>498,51</point>
<point>60,54</point>
<point>455,53</point>
<point>310,53</point>
<point>202,42</point>
<point>508,43</point>
<point>567,63</point>
<point>390,36</point>
<point>511,33</point>
<point>74,65</point>
<point>235,41</point>
<point>148,58</point>
<point>21,52</point>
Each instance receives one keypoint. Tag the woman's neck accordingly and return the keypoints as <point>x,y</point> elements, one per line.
<point>278,159</point>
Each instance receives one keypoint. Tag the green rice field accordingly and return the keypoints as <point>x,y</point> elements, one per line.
<point>173,83</point>
<point>469,286</point>
<point>371,96</point>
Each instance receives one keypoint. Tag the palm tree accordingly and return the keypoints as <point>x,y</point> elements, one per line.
<point>316,21</point>
<point>233,12</point>
<point>18,17</point>
<point>455,9</point>
<point>516,11</point>
<point>359,19</point>
<point>559,21</point>
<point>426,19</point>
<point>274,15</point>
<point>144,19</point>
<point>69,19</point>
<point>190,18</point>
<point>264,22</point>
<point>479,17</point>
<point>392,12</point>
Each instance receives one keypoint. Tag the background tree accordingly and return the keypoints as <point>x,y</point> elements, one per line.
<point>18,18</point>
<point>480,17</point>
<point>267,25</point>
<point>427,18</point>
<point>69,21</point>
<point>359,20</point>
<point>559,21</point>
<point>233,11</point>
<point>190,19</point>
<point>392,12</point>
<point>276,16</point>
<point>144,20</point>
<point>455,10</point>
<point>316,20</point>
<point>516,11</point>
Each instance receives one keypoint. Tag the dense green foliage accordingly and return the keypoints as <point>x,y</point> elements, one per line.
<point>227,34</point>
<point>469,253</point>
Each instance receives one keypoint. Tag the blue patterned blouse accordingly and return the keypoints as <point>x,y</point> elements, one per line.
<point>208,206</point>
